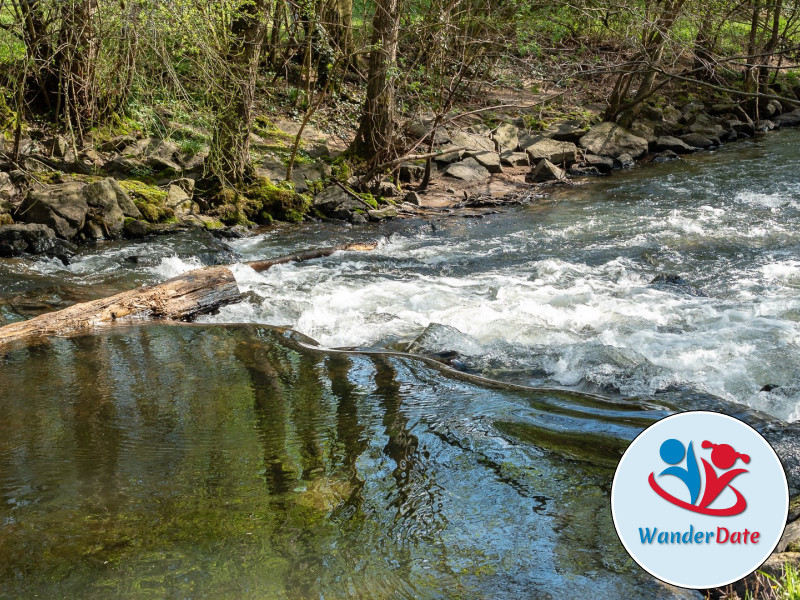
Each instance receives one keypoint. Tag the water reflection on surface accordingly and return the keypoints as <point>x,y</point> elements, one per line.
<point>227,462</point>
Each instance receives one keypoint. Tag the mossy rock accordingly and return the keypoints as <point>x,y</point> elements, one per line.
<point>369,199</point>
<point>6,219</point>
<point>279,202</point>
<point>150,200</point>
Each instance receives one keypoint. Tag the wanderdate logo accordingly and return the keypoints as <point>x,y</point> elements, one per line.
<point>699,499</point>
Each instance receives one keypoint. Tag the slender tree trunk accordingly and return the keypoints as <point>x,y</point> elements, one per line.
<point>229,158</point>
<point>374,137</point>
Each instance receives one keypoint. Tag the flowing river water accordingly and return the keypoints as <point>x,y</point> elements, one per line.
<point>439,417</point>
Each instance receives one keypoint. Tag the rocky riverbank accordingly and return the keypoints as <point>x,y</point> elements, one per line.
<point>134,186</point>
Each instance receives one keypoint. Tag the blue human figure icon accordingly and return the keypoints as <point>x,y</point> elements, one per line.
<point>672,453</point>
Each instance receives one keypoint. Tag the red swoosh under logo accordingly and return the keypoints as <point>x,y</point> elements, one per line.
<point>737,508</point>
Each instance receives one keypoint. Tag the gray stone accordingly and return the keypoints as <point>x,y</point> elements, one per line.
<point>7,189</point>
<point>422,127</point>
<point>479,129</point>
<point>118,143</point>
<point>651,113</point>
<point>60,146</point>
<point>380,214</point>
<point>790,540</point>
<point>448,155</point>
<point>604,164</point>
<point>644,130</point>
<point>490,160</point>
<point>385,189</point>
<point>179,201</point>
<point>765,125</point>
<point>665,156</point>
<point>334,198</point>
<point>413,198</point>
<point>472,142</point>
<point>626,161</point>
<point>163,157</point>
<point>695,140</point>
<point>609,139</point>
<point>358,219</point>
<point>125,165</point>
<point>61,207</point>
<point>105,215</point>
<point>409,172</point>
<point>302,173</point>
<point>552,150</point>
<point>26,238</point>
<point>791,119</point>
<point>545,171</point>
<point>571,131</point>
<point>469,170</point>
<point>515,159</point>
<point>772,109</point>
<point>742,128</point>
<point>186,184</point>
<point>667,142</point>
<point>670,114</point>
<point>506,137</point>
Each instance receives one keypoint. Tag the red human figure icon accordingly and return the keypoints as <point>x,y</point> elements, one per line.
<point>724,457</point>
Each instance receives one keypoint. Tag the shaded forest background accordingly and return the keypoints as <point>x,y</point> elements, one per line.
<point>92,69</point>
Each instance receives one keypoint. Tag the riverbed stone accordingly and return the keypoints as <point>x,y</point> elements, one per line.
<point>409,172</point>
<point>413,198</point>
<point>179,201</point>
<point>334,199</point>
<point>506,137</point>
<point>489,160</point>
<point>106,217</point>
<point>791,119</point>
<point>515,159</point>
<point>569,131</point>
<point>472,142</point>
<point>552,150</point>
<point>449,154</point>
<point>545,171</point>
<point>625,161</point>
<point>668,142</point>
<point>609,139</point>
<point>28,238</point>
<point>604,164</point>
<point>61,207</point>
<point>469,170</point>
<point>696,140</point>
<point>381,214</point>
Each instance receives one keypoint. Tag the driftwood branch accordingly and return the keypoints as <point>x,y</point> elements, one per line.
<point>181,298</point>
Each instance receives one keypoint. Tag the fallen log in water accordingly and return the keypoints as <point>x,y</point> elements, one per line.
<point>181,298</point>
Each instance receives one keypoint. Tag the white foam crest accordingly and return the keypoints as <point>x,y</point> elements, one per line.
<point>172,266</point>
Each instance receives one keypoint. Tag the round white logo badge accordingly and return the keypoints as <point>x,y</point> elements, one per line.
<point>699,500</point>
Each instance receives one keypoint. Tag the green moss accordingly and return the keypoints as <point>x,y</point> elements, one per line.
<point>149,199</point>
<point>213,225</point>
<point>369,199</point>
<point>276,201</point>
<point>5,219</point>
<point>340,170</point>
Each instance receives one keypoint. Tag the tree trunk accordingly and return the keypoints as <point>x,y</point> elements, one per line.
<point>229,158</point>
<point>182,298</point>
<point>374,137</point>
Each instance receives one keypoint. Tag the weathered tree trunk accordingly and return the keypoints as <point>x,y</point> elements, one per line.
<point>182,298</point>
<point>229,158</point>
<point>374,137</point>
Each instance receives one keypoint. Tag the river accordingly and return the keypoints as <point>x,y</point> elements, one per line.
<point>293,445</point>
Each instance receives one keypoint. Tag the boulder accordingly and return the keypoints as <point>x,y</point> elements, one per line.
<point>791,119</point>
<point>61,207</point>
<point>625,161</point>
<point>604,164</point>
<point>125,165</point>
<point>179,201</point>
<point>480,129</point>
<point>106,215</point>
<point>651,113</point>
<point>422,127</point>
<point>765,125</point>
<point>302,173</point>
<point>469,170</point>
<point>545,171</point>
<point>667,142</point>
<point>472,142</point>
<point>333,199</point>
<point>489,160</point>
<point>741,128</point>
<point>552,150</point>
<point>570,131</point>
<point>409,172</point>
<point>380,214</point>
<point>413,198</point>
<point>515,159</point>
<point>32,238</point>
<point>385,189</point>
<point>665,156</point>
<point>646,131</point>
<point>609,139</point>
<point>696,140</point>
<point>163,157</point>
<point>358,219</point>
<point>7,189</point>
<point>118,143</point>
<point>448,155</point>
<point>506,137</point>
<point>772,109</point>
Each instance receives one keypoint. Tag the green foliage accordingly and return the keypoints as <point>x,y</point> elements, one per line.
<point>786,587</point>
